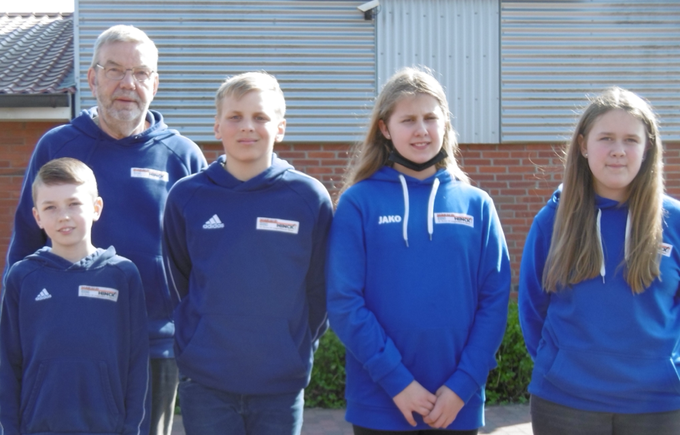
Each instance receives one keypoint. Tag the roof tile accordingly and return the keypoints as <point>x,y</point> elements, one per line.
<point>36,53</point>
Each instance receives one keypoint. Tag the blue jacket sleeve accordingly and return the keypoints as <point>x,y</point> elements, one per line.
<point>175,250</point>
<point>355,325</point>
<point>316,280</point>
<point>533,301</point>
<point>137,396</point>
<point>486,334</point>
<point>27,237</point>
<point>11,359</point>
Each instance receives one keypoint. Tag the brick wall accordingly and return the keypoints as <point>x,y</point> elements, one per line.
<point>520,178</point>
<point>17,140</point>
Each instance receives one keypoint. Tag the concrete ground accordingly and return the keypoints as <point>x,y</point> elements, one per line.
<point>500,420</point>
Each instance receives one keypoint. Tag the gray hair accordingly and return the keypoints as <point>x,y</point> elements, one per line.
<point>123,33</point>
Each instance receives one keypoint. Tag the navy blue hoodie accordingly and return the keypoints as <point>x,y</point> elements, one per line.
<point>246,268</point>
<point>74,354</point>
<point>134,175</point>
<point>418,284</point>
<point>597,346</point>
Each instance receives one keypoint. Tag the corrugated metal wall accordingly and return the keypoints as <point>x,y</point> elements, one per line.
<point>555,52</point>
<point>459,40</point>
<point>322,52</point>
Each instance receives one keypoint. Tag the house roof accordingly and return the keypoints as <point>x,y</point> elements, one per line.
<point>36,54</point>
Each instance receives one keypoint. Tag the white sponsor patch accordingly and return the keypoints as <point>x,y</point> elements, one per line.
<point>109,294</point>
<point>665,249</point>
<point>454,218</point>
<point>274,224</point>
<point>153,174</point>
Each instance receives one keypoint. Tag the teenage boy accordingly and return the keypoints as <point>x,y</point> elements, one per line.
<point>136,158</point>
<point>75,353</point>
<point>245,248</point>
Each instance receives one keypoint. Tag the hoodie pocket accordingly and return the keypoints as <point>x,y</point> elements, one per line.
<point>237,352</point>
<point>627,376</point>
<point>72,396</point>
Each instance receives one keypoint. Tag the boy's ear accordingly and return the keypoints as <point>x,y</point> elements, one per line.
<point>280,130</point>
<point>36,216</point>
<point>383,129</point>
<point>98,207</point>
<point>216,128</point>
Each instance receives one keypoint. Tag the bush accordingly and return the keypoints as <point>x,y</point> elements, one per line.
<point>327,387</point>
<point>509,381</point>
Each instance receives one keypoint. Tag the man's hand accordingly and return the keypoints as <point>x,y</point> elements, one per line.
<point>445,409</point>
<point>414,398</point>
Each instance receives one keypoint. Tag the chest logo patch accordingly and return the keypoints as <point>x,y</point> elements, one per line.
<point>108,294</point>
<point>665,249</point>
<point>274,224</point>
<point>389,219</point>
<point>454,218</point>
<point>152,174</point>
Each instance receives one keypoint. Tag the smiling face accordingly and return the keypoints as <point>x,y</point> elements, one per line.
<point>248,128</point>
<point>66,213</point>
<point>122,104</point>
<point>416,129</point>
<point>615,148</point>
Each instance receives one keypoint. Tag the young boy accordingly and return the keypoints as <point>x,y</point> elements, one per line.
<point>245,244</point>
<point>74,354</point>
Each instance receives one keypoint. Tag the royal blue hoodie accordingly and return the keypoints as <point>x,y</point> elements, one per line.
<point>134,175</point>
<point>418,283</point>
<point>597,346</point>
<point>246,267</point>
<point>74,355</point>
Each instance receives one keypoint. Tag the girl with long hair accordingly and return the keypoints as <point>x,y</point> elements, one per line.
<point>418,271</point>
<point>599,282</point>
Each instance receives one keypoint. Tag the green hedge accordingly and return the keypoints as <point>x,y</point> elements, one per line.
<point>507,383</point>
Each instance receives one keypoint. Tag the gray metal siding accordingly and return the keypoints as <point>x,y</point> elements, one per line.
<point>322,53</point>
<point>554,53</point>
<point>459,40</point>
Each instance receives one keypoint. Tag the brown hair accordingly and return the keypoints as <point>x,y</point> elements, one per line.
<point>64,171</point>
<point>371,154</point>
<point>574,253</point>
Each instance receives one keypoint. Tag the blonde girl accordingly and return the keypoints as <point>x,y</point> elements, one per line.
<point>418,273</point>
<point>599,281</point>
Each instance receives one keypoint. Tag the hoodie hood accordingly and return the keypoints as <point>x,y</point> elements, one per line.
<point>387,173</point>
<point>157,130</point>
<point>601,204</point>
<point>265,179</point>
<point>96,260</point>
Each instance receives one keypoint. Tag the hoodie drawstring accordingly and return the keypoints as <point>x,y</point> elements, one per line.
<point>627,242</point>
<point>430,208</point>
<point>599,239</point>
<point>404,189</point>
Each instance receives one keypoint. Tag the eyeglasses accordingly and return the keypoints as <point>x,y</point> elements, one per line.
<point>114,73</point>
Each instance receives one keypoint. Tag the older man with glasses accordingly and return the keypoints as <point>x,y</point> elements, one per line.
<point>136,159</point>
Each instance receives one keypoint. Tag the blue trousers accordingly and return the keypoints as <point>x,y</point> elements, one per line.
<point>206,411</point>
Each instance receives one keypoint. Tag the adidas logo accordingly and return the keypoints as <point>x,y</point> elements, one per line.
<point>213,223</point>
<point>43,295</point>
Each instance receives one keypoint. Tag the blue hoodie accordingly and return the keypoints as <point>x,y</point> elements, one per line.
<point>134,175</point>
<point>246,265</point>
<point>597,346</point>
<point>418,283</point>
<point>74,355</point>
